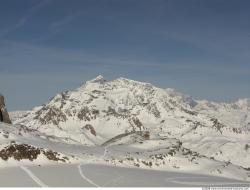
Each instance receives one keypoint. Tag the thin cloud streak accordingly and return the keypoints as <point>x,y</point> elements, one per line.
<point>64,21</point>
<point>57,27</point>
<point>22,21</point>
<point>19,53</point>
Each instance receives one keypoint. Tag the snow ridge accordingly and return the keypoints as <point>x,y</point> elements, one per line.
<point>146,126</point>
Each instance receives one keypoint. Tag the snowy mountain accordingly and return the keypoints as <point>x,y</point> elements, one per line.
<point>21,144</point>
<point>130,123</point>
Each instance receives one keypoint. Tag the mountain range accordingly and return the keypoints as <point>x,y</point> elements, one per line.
<point>132,124</point>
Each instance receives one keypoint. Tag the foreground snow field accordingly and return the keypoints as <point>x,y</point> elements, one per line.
<point>93,175</point>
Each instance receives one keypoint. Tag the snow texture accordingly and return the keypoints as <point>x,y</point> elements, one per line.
<point>133,124</point>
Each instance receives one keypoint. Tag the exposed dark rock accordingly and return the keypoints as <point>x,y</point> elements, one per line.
<point>54,156</point>
<point>136,123</point>
<point>237,130</point>
<point>91,128</point>
<point>19,152</point>
<point>152,108</point>
<point>112,112</point>
<point>87,114</point>
<point>4,116</point>
<point>247,146</point>
<point>147,163</point>
<point>189,111</point>
<point>64,98</point>
<point>143,134</point>
<point>28,152</point>
<point>146,135</point>
<point>48,115</point>
<point>217,125</point>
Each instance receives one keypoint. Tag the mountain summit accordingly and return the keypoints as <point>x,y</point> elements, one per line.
<point>167,127</point>
<point>99,78</point>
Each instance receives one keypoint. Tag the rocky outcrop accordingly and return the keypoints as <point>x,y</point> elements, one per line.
<point>4,116</point>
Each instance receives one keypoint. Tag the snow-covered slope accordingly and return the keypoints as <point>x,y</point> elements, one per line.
<point>235,115</point>
<point>28,146</point>
<point>146,126</point>
<point>98,175</point>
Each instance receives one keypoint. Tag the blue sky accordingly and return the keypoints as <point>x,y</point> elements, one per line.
<point>201,48</point>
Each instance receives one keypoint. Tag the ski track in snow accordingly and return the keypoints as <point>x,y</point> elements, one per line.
<point>122,103</point>
<point>86,178</point>
<point>33,177</point>
<point>105,151</point>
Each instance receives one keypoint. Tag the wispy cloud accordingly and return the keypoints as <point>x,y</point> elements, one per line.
<point>58,26</point>
<point>23,20</point>
<point>14,27</point>
<point>17,53</point>
<point>48,70</point>
<point>32,56</point>
<point>39,6</point>
<point>66,20</point>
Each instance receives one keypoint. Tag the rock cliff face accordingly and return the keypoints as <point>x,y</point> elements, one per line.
<point>4,116</point>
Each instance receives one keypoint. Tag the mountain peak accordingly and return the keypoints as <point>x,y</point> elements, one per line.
<point>163,128</point>
<point>99,78</point>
